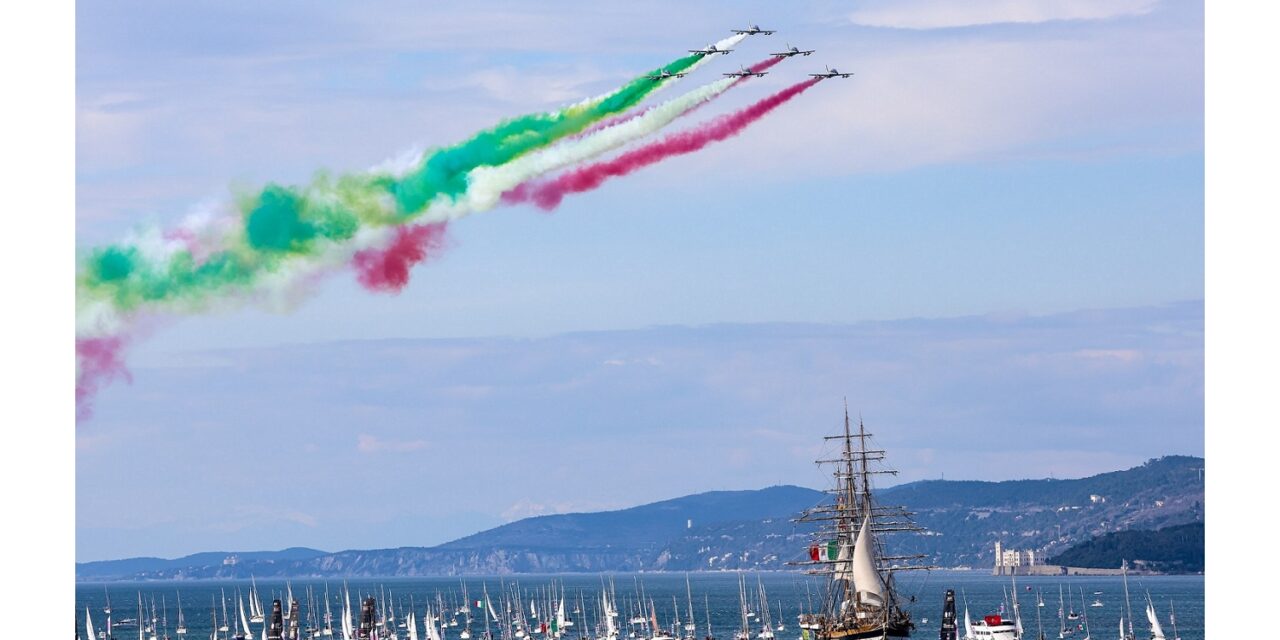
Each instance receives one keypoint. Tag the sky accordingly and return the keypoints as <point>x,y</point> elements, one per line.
<point>990,240</point>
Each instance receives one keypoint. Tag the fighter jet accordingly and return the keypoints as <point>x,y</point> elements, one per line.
<point>745,73</point>
<point>752,30</point>
<point>709,50</point>
<point>792,51</point>
<point>831,73</point>
<point>664,74</point>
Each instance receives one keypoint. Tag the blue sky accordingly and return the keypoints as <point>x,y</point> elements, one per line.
<point>1010,162</point>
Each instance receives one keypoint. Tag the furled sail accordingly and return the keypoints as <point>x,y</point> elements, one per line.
<point>866,578</point>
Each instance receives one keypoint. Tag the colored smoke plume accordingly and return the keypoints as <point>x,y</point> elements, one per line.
<point>549,194</point>
<point>387,269</point>
<point>98,361</point>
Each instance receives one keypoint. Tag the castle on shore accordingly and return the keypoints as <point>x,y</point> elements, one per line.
<point>1016,562</point>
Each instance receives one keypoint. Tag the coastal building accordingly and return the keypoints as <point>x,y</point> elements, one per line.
<point>1013,561</point>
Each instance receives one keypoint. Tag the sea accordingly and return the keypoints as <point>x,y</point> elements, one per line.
<point>714,595</point>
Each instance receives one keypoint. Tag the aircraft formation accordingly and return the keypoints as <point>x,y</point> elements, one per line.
<point>744,72</point>
<point>380,223</point>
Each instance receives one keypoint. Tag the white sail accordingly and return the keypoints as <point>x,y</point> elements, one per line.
<point>413,626</point>
<point>1157,633</point>
<point>968,624</point>
<point>1121,636</point>
<point>347,632</point>
<point>866,578</point>
<point>88,624</point>
<point>243,619</point>
<point>611,630</point>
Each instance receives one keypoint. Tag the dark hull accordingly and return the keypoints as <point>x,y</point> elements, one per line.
<point>890,630</point>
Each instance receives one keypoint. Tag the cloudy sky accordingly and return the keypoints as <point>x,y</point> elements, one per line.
<point>990,240</point>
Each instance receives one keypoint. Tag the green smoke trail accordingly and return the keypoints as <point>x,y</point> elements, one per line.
<point>282,225</point>
<point>444,173</point>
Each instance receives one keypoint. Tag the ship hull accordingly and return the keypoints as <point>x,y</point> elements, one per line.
<point>891,630</point>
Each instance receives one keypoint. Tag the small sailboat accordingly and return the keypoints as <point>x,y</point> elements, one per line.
<point>1157,633</point>
<point>1084,617</point>
<point>256,614</point>
<point>1173,622</point>
<point>182,622</point>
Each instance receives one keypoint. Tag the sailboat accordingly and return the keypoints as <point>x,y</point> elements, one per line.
<point>182,623</point>
<point>862,600</point>
<point>1084,616</point>
<point>968,623</point>
<point>1128,609</point>
<point>766,626</point>
<point>1062,616</point>
<point>690,627</point>
<point>744,633</point>
<point>256,614</point>
<point>1173,622</point>
<point>1157,633</point>
<point>947,629</point>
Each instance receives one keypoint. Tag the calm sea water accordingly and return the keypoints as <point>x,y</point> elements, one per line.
<point>719,592</point>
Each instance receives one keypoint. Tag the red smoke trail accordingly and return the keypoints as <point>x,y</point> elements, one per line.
<point>97,362</point>
<point>548,195</point>
<point>763,65</point>
<point>387,269</point>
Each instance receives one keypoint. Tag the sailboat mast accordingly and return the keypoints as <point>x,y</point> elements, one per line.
<point>1128,610</point>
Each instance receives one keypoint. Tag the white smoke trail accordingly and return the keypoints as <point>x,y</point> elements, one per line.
<point>487,184</point>
<point>214,226</point>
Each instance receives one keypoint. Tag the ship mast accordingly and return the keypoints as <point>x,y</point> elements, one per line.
<point>835,543</point>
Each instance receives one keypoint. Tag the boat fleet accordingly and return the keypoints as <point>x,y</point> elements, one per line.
<point>859,599</point>
<point>1007,622</point>
<point>550,612</point>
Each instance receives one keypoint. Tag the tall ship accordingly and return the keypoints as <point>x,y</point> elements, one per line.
<point>861,599</point>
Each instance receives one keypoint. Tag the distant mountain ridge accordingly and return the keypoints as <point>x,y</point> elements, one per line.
<point>744,529</point>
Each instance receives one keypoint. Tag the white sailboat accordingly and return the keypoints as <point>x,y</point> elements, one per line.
<point>1157,633</point>
<point>182,622</point>
<point>968,622</point>
<point>328,616</point>
<point>88,624</point>
<point>1084,616</point>
<point>1173,622</point>
<point>1128,608</point>
<point>244,620</point>
<point>256,614</point>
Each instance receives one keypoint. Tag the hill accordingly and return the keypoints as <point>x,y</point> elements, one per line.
<point>748,529</point>
<point>146,568</point>
<point>1171,549</point>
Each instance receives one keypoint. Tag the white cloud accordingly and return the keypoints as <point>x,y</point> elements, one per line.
<point>941,14</point>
